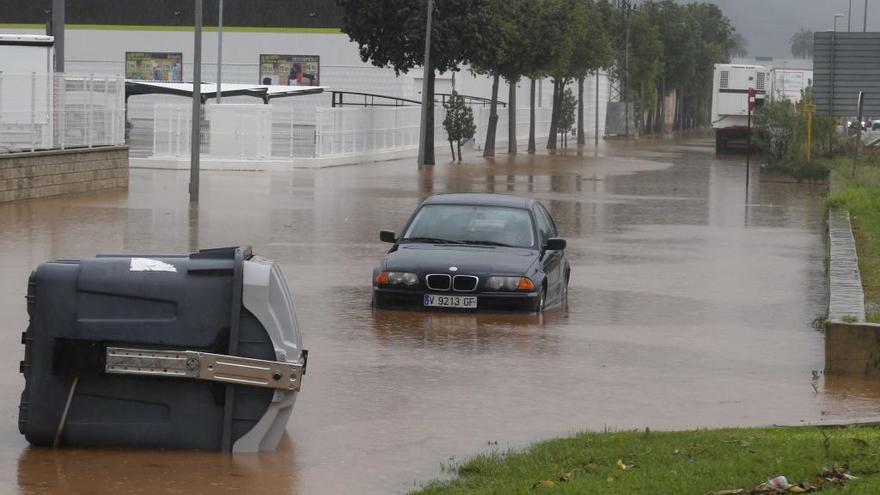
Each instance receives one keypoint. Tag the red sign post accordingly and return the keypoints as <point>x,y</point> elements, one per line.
<point>749,140</point>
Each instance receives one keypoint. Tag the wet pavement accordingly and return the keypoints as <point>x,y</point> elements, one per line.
<point>687,309</point>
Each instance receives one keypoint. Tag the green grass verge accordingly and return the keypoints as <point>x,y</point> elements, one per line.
<point>680,463</point>
<point>861,196</point>
<point>226,29</point>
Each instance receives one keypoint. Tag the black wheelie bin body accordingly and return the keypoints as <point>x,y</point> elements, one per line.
<point>215,304</point>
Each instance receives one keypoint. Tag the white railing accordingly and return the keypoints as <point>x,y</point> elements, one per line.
<point>43,112</point>
<point>234,131</point>
<point>285,130</point>
<point>344,131</point>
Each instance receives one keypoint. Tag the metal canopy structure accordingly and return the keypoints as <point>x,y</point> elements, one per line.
<point>209,90</point>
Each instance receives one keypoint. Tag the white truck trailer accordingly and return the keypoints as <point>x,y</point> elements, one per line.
<point>790,83</point>
<point>730,101</point>
<point>26,91</point>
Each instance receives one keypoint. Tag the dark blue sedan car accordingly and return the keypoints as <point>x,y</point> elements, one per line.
<point>473,251</point>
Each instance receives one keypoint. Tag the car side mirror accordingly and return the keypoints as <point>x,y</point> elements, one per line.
<point>388,236</point>
<point>555,244</point>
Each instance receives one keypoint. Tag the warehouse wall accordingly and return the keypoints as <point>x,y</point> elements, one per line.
<point>853,65</point>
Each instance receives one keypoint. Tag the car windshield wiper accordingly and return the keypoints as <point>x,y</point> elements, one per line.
<point>484,243</point>
<point>432,240</point>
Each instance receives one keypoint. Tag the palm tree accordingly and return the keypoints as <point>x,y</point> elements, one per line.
<point>802,43</point>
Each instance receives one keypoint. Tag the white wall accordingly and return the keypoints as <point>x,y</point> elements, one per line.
<point>102,52</point>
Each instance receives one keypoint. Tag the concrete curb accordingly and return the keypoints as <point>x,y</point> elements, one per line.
<point>846,299</point>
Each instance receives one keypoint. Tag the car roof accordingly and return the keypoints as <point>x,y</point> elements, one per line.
<point>483,199</point>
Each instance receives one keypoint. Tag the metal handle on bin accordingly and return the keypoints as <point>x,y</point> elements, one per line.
<point>205,366</point>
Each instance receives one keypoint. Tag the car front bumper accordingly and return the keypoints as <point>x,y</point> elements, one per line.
<point>486,301</point>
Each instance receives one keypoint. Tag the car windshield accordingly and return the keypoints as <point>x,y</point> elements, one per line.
<point>479,225</point>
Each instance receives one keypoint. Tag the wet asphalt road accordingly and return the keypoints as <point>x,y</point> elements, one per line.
<point>687,309</point>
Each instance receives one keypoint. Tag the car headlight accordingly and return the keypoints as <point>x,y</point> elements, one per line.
<point>405,279</point>
<point>510,284</point>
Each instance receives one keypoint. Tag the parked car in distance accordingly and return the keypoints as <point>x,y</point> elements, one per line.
<point>474,251</point>
<point>853,124</point>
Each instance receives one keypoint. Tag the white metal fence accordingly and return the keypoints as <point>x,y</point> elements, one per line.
<point>41,112</point>
<point>241,130</point>
<point>345,131</point>
<point>237,131</point>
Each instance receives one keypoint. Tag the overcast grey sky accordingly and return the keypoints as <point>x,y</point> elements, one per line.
<point>768,24</point>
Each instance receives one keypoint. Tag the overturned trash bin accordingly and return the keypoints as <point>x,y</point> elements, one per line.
<point>199,351</point>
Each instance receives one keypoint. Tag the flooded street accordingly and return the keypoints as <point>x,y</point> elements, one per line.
<point>687,309</point>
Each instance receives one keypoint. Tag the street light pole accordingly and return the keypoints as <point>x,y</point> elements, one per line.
<point>865,19</point>
<point>58,17</point>
<point>196,107</point>
<point>849,18</point>
<point>219,46</point>
<point>423,126</point>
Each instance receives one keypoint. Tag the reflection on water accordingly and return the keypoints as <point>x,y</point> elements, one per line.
<point>43,470</point>
<point>469,333</point>
<point>683,301</point>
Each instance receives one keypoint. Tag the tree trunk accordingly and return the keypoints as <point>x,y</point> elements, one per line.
<point>489,149</point>
<point>532,118</point>
<point>677,120</point>
<point>682,109</point>
<point>511,118</point>
<point>452,150</point>
<point>429,128</point>
<point>663,107</point>
<point>554,116</point>
<point>459,153</point>
<point>582,140</point>
<point>641,126</point>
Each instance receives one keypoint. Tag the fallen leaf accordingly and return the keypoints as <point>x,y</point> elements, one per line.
<point>736,491</point>
<point>566,476</point>
<point>544,484</point>
<point>610,478</point>
<point>620,464</point>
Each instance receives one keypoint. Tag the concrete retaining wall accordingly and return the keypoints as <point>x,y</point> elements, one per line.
<point>852,349</point>
<point>59,172</point>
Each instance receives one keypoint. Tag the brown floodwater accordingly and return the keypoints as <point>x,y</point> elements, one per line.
<point>687,309</point>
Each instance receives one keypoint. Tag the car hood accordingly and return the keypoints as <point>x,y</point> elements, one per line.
<point>438,258</point>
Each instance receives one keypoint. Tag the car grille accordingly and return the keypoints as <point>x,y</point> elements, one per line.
<point>465,283</point>
<point>438,282</point>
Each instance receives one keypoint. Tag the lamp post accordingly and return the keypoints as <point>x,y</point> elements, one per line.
<point>849,18</point>
<point>58,32</point>
<point>423,126</point>
<point>196,106</point>
<point>833,54</point>
<point>219,46</point>
<point>865,19</point>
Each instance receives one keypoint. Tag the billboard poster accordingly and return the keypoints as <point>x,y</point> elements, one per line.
<point>154,66</point>
<point>290,70</point>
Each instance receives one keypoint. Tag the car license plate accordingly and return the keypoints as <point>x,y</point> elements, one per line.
<point>464,302</point>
